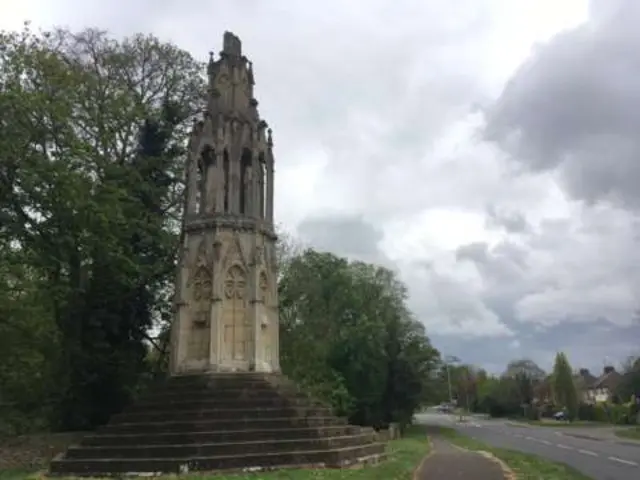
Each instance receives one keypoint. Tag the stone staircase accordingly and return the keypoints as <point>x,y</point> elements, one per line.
<point>240,421</point>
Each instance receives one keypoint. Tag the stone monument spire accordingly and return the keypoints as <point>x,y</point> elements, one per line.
<point>226,315</point>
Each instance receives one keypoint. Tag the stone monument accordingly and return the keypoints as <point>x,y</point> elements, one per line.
<point>226,293</point>
<point>225,406</point>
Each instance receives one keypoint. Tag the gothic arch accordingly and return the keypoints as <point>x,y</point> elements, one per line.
<point>201,284</point>
<point>237,331</point>
<point>235,253</point>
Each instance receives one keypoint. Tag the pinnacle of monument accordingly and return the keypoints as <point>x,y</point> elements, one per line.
<point>231,45</point>
<point>231,83</point>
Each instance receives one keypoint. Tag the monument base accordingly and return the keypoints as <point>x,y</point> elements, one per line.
<point>220,422</point>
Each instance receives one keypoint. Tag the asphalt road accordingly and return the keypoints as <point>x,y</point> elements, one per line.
<point>603,459</point>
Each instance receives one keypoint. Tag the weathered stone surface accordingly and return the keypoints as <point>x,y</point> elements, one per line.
<point>226,304</point>
<point>187,438</point>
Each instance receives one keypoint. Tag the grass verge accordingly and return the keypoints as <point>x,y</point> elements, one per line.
<point>403,457</point>
<point>632,433</point>
<point>526,467</point>
<point>556,423</point>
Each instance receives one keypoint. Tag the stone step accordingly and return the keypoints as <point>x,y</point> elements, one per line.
<point>221,436</point>
<point>227,424</point>
<point>319,458</point>
<point>214,402</point>
<point>232,393</point>
<point>219,413</point>
<point>214,381</point>
<point>212,385</point>
<point>218,449</point>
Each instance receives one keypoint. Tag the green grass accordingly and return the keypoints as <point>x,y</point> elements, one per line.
<point>632,433</point>
<point>15,474</point>
<point>403,457</point>
<point>526,467</point>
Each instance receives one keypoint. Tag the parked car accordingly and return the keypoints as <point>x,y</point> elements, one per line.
<point>560,416</point>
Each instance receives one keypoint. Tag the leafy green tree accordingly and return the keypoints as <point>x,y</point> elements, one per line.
<point>564,389</point>
<point>348,337</point>
<point>630,383</point>
<point>90,201</point>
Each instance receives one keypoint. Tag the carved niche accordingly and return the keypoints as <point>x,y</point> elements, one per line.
<point>234,253</point>
<point>202,284</point>
<point>258,255</point>
<point>236,328</point>
<point>201,293</point>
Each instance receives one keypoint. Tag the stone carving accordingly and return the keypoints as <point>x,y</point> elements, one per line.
<point>202,285</point>
<point>202,256</point>
<point>235,253</point>
<point>235,283</point>
<point>263,285</point>
<point>258,255</point>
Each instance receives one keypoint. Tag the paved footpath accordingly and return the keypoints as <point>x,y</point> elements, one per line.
<point>448,462</point>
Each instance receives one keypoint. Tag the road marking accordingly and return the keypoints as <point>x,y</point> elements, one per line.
<point>546,442</point>
<point>588,452</point>
<point>530,438</point>
<point>626,462</point>
<point>565,447</point>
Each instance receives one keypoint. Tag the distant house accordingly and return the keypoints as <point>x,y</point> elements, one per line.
<point>603,388</point>
<point>583,381</point>
<point>542,391</point>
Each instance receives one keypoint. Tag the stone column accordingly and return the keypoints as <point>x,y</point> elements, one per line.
<point>269,209</point>
<point>215,348</point>
<point>192,184</point>
<point>210,189</point>
<point>255,188</point>
<point>261,193</point>
<point>234,176</point>
<point>275,338</point>
<point>255,324</point>
<point>180,309</point>
<point>219,182</point>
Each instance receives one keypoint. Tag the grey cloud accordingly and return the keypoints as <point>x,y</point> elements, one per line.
<point>573,106</point>
<point>349,235</point>
<point>449,306</point>
<point>510,221</point>
<point>591,346</point>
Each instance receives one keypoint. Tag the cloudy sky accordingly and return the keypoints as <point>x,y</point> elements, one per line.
<point>489,150</point>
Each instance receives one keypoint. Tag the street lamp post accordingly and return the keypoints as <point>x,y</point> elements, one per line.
<point>446,364</point>
<point>447,360</point>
